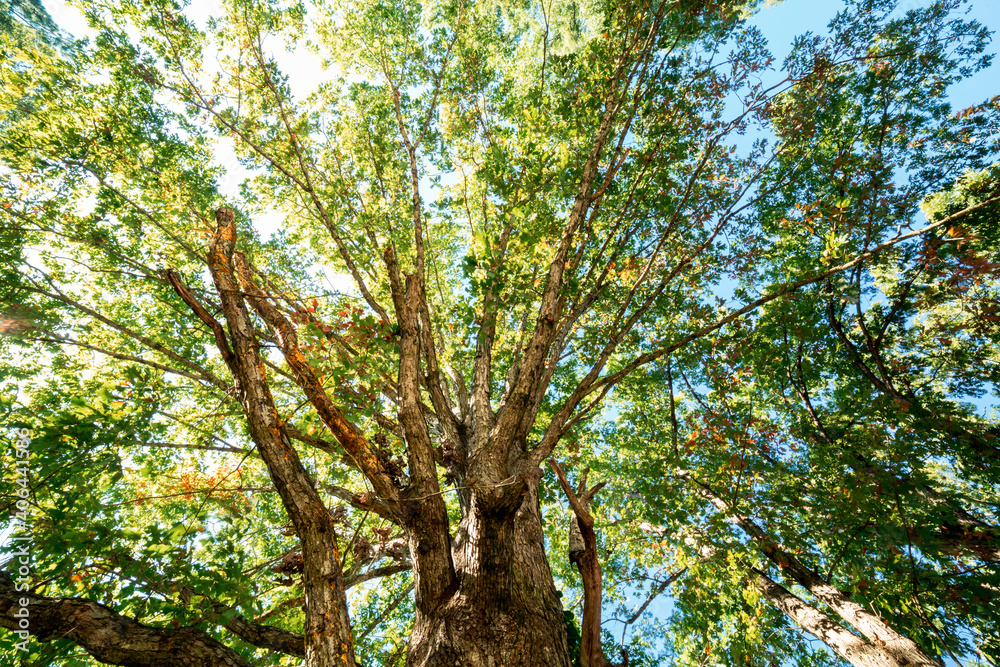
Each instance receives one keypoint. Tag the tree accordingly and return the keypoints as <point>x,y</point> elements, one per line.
<point>823,478</point>
<point>536,206</point>
<point>26,20</point>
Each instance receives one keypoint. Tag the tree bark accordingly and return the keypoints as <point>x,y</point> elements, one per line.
<point>327,633</point>
<point>252,632</point>
<point>486,598</point>
<point>901,648</point>
<point>110,637</point>
<point>848,646</point>
<point>583,552</point>
<point>505,610</point>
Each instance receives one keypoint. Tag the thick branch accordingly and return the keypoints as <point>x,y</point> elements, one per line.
<point>591,653</point>
<point>848,646</point>
<point>110,637</point>
<point>871,626</point>
<point>348,435</point>
<point>427,517</point>
<point>328,640</point>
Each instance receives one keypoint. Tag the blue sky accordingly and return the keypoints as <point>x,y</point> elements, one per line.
<point>782,21</point>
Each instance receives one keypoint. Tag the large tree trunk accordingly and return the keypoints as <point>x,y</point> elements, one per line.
<point>505,610</point>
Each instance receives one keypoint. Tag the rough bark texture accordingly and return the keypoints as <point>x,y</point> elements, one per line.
<point>110,637</point>
<point>486,598</point>
<point>425,516</point>
<point>505,610</point>
<point>327,637</point>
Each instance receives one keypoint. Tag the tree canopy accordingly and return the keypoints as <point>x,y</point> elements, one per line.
<point>540,333</point>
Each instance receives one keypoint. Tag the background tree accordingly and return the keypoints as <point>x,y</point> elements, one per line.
<point>536,205</point>
<point>782,456</point>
